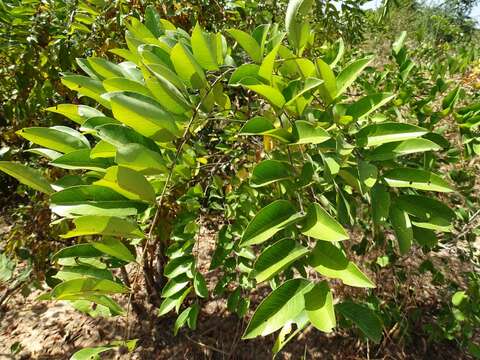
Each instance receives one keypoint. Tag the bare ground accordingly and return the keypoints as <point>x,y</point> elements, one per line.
<point>54,330</point>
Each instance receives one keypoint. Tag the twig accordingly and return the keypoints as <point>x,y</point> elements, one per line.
<point>156,218</point>
<point>207,346</point>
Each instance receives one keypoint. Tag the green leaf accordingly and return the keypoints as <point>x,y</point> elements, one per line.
<point>368,104</point>
<point>27,175</point>
<point>115,247</point>
<point>391,150</point>
<point>262,126</point>
<point>49,154</point>
<point>105,68</point>
<point>380,199</point>
<point>417,179</point>
<point>152,21</point>
<point>403,228</point>
<point>178,266</point>
<point>306,133</point>
<point>120,136</point>
<point>80,159</point>
<point>330,261</point>
<point>76,113</point>
<point>123,84</point>
<point>144,115</point>
<point>277,257</point>
<point>281,306</point>
<point>350,73</point>
<point>204,47</point>
<point>173,301</point>
<point>93,122</point>
<point>319,307</point>
<point>200,285</point>
<point>377,134</point>
<point>86,286</point>
<point>309,87</point>
<point>181,319</point>
<point>103,149</point>
<point>266,68</point>
<point>93,200</point>
<point>244,71</point>
<point>366,319</point>
<point>430,213</point>
<point>301,321</point>
<point>174,285</point>
<point>270,93</point>
<point>86,86</point>
<point>270,171</point>
<point>128,183</point>
<point>141,159</point>
<point>166,93</point>
<point>59,138</point>
<point>79,250</point>
<point>268,221</point>
<point>90,353</point>
<point>398,43</point>
<point>248,43</point>
<point>103,225</point>
<point>320,225</point>
<point>187,67</point>
<point>328,90</point>
<point>297,29</point>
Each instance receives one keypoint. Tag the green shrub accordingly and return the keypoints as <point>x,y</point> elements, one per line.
<point>288,148</point>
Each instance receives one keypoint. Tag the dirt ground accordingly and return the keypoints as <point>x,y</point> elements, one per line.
<point>54,330</point>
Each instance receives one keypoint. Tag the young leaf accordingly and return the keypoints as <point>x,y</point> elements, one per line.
<point>268,221</point>
<point>72,289</point>
<point>27,175</point>
<point>320,225</point>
